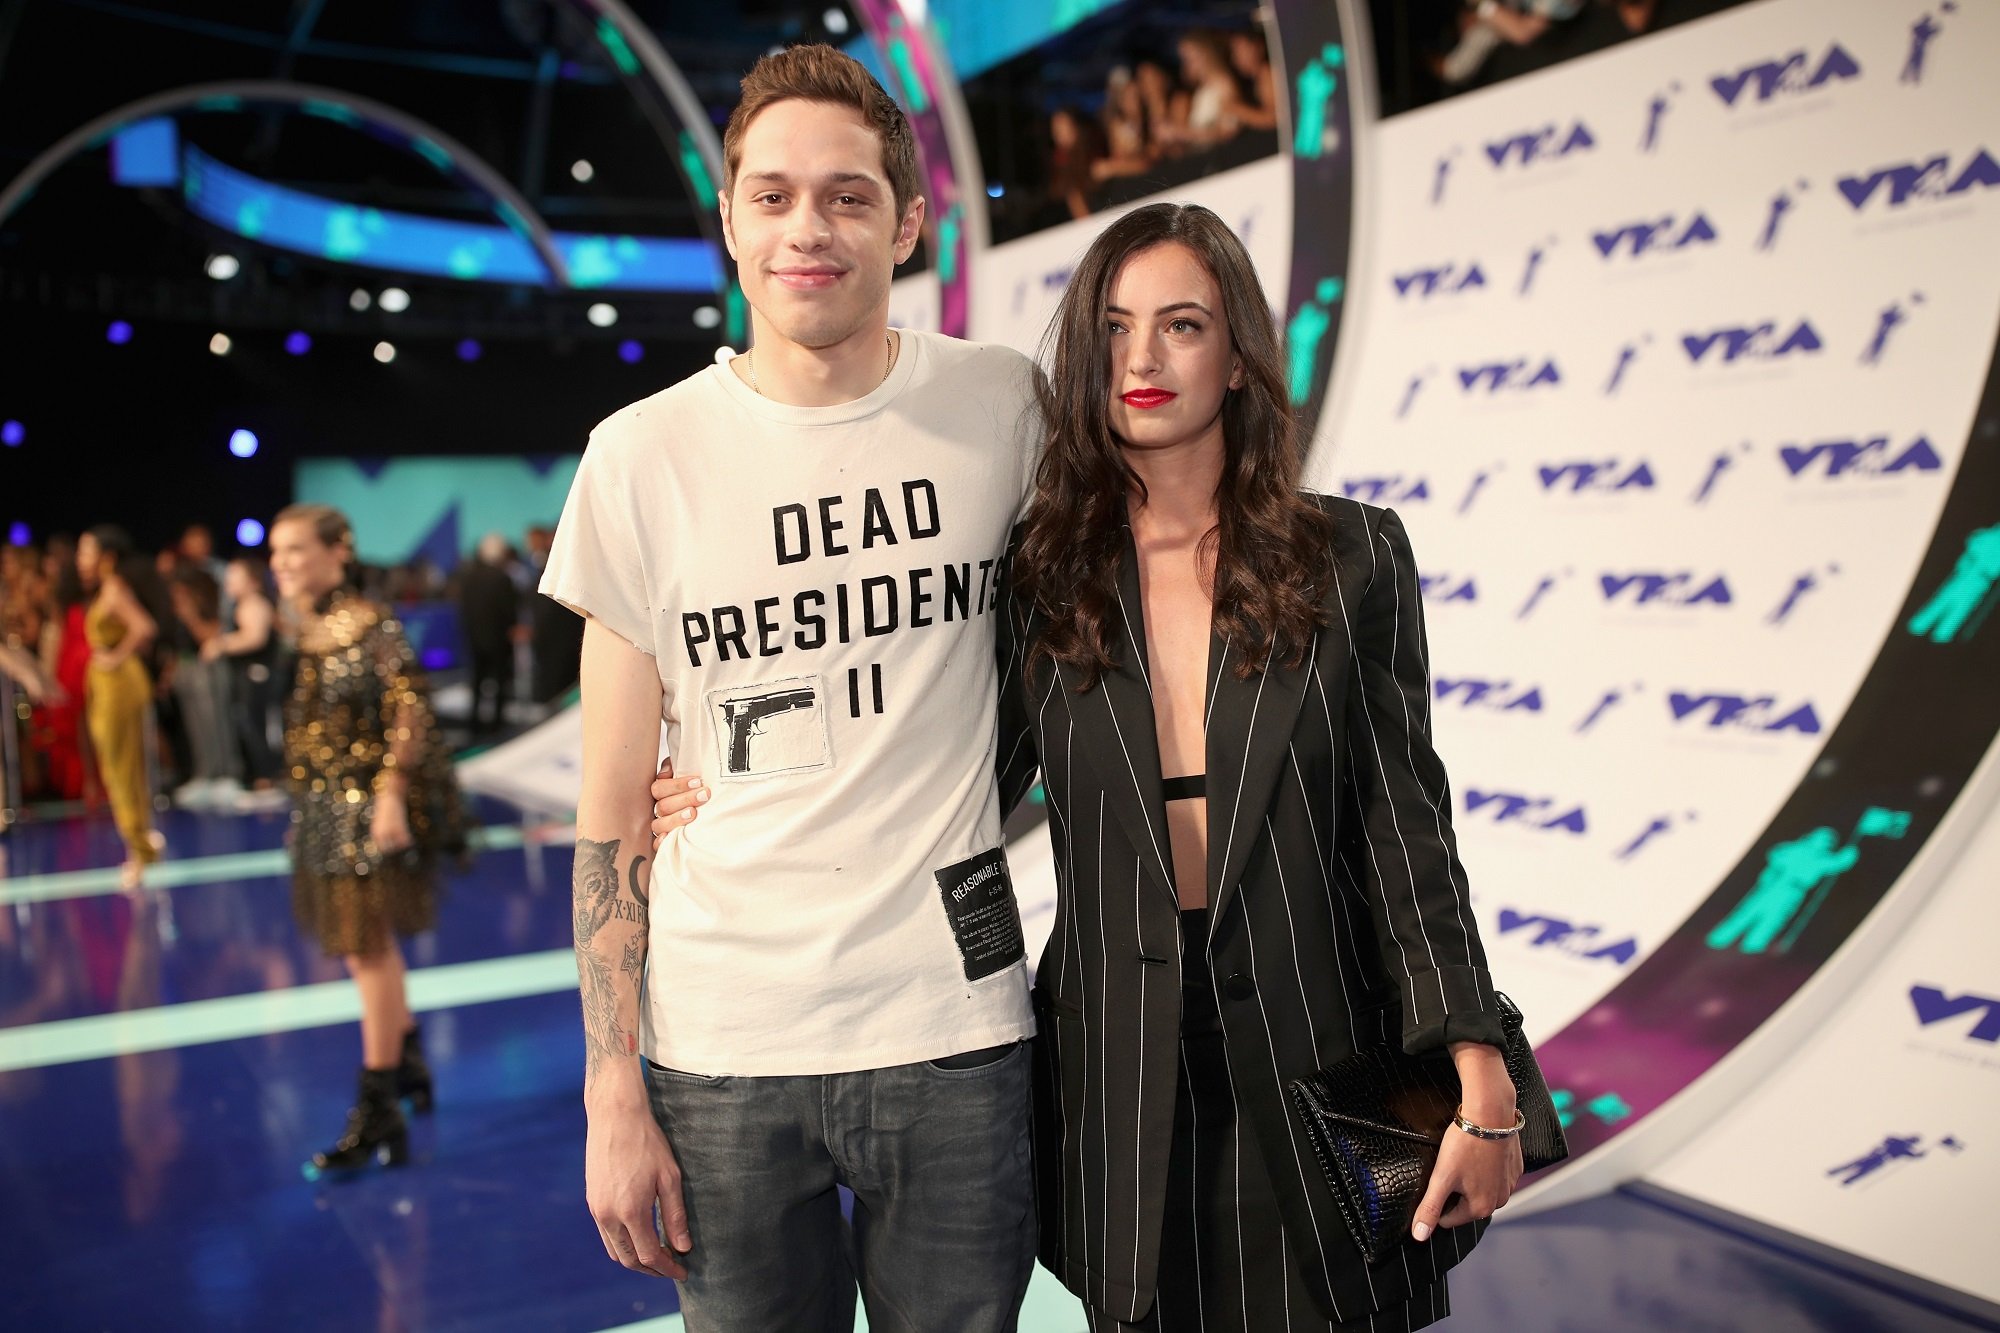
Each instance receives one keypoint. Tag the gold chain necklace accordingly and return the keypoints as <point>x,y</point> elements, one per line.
<point>888,345</point>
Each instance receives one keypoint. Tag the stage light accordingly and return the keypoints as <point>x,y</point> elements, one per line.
<point>220,344</point>
<point>119,333</point>
<point>706,317</point>
<point>835,21</point>
<point>385,352</point>
<point>631,351</point>
<point>12,433</point>
<point>469,350</point>
<point>223,267</point>
<point>996,191</point>
<point>242,443</point>
<point>581,170</point>
<point>18,534</point>
<point>298,342</point>
<point>360,300</point>
<point>249,533</point>
<point>603,314</point>
<point>394,300</point>
<point>724,354</point>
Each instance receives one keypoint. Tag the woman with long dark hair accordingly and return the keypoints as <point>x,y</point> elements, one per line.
<point>1223,682</point>
<point>122,622</point>
<point>377,813</point>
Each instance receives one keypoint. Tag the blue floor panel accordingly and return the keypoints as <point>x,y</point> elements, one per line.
<point>161,1190</point>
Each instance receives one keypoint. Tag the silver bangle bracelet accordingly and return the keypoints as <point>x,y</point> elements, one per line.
<point>1482,1132</point>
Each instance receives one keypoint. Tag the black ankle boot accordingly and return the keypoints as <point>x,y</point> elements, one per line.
<point>376,1131</point>
<point>413,1075</point>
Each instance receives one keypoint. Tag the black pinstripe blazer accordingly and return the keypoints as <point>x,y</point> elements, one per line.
<point>1338,916</point>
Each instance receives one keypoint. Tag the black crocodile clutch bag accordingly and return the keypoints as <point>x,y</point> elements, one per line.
<point>1376,1118</point>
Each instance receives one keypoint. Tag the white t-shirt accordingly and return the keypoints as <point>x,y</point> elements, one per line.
<point>817,585</point>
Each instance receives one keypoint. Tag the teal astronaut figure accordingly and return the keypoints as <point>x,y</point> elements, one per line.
<point>1947,614</point>
<point>1316,85</point>
<point>1797,877</point>
<point>1305,332</point>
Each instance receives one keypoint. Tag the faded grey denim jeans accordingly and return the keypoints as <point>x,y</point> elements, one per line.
<point>943,1233</point>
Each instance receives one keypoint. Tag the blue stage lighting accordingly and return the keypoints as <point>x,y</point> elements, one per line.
<point>18,534</point>
<point>630,351</point>
<point>297,343</point>
<point>12,433</point>
<point>119,333</point>
<point>242,443</point>
<point>469,350</point>
<point>249,533</point>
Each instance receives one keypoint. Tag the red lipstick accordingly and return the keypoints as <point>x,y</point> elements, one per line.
<point>1149,398</point>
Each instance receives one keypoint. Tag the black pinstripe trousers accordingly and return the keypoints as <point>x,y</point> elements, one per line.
<point>1224,1265</point>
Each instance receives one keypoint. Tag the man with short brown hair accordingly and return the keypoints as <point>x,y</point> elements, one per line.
<point>794,559</point>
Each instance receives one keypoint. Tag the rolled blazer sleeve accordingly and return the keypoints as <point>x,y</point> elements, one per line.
<point>1016,761</point>
<point>1423,918</point>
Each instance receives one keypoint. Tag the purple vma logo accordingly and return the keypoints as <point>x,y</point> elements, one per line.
<point>1932,178</point>
<point>1738,712</point>
<point>1444,280</point>
<point>1785,76</point>
<point>1873,456</point>
<point>1654,236</point>
<point>1665,588</point>
<point>1933,1005</point>
<point>1767,341</point>
<point>1521,375</point>
<point>1590,943</point>
<point>1550,143</point>
<point>1536,812</point>
<point>1596,476</point>
<point>1394,489</point>
<point>1493,696</point>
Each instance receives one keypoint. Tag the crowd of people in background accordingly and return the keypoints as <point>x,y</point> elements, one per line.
<point>1221,87</point>
<point>164,674</point>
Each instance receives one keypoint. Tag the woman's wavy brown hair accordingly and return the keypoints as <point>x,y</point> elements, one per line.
<point>1272,545</point>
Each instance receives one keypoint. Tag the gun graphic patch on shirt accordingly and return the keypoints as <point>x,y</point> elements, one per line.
<point>771,728</point>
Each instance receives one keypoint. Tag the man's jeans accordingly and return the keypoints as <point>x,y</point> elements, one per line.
<point>943,1236</point>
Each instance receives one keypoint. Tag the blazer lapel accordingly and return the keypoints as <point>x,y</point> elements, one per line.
<point>1124,746</point>
<point>1250,725</point>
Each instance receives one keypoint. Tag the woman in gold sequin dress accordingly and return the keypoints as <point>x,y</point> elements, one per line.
<point>376,813</point>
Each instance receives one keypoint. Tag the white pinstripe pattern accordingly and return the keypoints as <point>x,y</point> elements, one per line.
<point>1138,1140</point>
<point>1410,742</point>
<point>1138,792</point>
<point>1326,881</point>
<point>1242,776</point>
<point>1277,1074</point>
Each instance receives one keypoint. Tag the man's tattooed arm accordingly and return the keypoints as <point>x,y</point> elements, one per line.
<point>610,928</point>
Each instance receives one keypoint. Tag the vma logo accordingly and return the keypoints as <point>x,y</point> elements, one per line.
<point>1737,712</point>
<point>1675,588</point>
<point>1931,179</point>
<point>1550,143</point>
<point>1757,342</point>
<point>1438,588</point>
<point>1590,943</point>
<point>1393,489</point>
<point>1933,1005</point>
<point>1657,236</point>
<point>1596,477</point>
<point>1536,812</point>
<point>1445,280</point>
<point>1493,696</point>
<point>1521,375</point>
<point>1873,456</point>
<point>1786,76</point>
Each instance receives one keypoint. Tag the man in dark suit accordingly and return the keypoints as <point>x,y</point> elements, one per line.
<point>488,606</point>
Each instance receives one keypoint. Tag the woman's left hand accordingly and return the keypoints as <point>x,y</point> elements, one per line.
<point>1474,1176</point>
<point>390,824</point>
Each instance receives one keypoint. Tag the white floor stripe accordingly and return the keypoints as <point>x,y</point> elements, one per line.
<point>235,1016</point>
<point>196,870</point>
